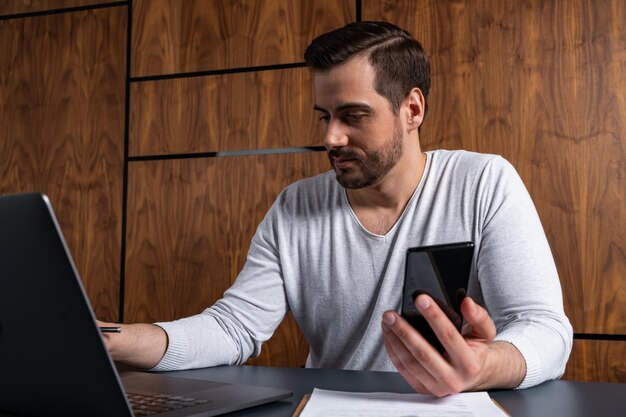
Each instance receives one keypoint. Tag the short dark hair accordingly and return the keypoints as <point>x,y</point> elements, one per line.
<point>399,60</point>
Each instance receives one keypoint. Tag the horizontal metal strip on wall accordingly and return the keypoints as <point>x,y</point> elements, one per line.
<point>64,10</point>
<point>217,72</point>
<point>219,154</point>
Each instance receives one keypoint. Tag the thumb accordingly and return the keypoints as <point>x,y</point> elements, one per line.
<point>480,325</point>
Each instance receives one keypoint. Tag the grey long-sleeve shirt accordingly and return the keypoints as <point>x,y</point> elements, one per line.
<point>310,254</point>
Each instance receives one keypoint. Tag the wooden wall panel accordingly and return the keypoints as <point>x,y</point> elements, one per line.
<point>9,7</point>
<point>190,223</point>
<point>542,83</point>
<point>254,110</point>
<point>174,36</point>
<point>62,132</point>
<point>597,360</point>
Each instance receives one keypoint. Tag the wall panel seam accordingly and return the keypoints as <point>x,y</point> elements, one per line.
<point>600,336</point>
<point>122,297</point>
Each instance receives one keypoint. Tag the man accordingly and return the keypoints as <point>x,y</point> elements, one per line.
<point>332,248</point>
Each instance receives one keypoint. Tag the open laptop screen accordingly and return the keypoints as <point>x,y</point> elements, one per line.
<point>53,361</point>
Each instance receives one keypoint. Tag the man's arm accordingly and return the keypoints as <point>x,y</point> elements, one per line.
<point>139,345</point>
<point>472,361</point>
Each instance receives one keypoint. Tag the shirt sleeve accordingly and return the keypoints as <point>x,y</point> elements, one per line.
<point>518,276</point>
<point>236,326</point>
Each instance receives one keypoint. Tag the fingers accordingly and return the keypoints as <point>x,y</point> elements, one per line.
<point>110,339</point>
<point>464,352</point>
<point>391,345</point>
<point>462,366</point>
<point>416,360</point>
<point>400,356</point>
<point>101,323</point>
<point>445,331</point>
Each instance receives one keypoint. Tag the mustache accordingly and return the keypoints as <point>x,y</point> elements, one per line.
<point>344,153</point>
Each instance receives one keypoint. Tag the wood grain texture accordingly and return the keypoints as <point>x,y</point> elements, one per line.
<point>190,223</point>
<point>62,132</point>
<point>597,360</point>
<point>541,83</point>
<point>9,7</point>
<point>174,36</point>
<point>255,110</point>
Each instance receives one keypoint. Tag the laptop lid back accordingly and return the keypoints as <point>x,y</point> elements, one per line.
<point>53,361</point>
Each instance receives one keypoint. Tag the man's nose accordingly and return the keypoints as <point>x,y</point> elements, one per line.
<point>335,135</point>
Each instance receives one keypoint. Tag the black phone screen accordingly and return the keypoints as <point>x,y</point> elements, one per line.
<point>441,271</point>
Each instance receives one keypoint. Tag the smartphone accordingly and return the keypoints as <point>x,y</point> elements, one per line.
<point>441,271</point>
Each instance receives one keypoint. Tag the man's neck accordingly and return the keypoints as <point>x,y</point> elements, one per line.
<point>379,207</point>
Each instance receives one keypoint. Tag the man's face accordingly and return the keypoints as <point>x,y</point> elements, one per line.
<point>363,137</point>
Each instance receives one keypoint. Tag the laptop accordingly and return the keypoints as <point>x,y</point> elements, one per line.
<point>53,361</point>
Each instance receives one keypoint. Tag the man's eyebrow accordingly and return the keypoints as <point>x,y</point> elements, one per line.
<point>346,106</point>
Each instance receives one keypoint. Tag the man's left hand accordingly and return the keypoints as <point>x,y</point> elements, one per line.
<point>471,361</point>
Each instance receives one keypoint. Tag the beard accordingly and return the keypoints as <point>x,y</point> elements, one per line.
<point>371,166</point>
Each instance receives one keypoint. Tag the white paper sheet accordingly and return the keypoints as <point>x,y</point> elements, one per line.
<point>325,403</point>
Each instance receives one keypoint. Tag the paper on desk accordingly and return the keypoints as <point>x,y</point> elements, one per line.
<point>325,403</point>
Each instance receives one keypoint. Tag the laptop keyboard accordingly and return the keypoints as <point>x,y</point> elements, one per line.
<point>150,404</point>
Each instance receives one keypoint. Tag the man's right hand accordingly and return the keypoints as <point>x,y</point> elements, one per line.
<point>139,345</point>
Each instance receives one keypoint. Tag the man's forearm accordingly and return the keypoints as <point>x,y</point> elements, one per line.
<point>505,367</point>
<point>138,345</point>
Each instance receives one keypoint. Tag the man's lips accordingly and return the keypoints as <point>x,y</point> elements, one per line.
<point>341,163</point>
<point>343,159</point>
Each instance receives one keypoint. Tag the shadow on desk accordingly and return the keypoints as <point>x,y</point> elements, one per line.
<point>551,399</point>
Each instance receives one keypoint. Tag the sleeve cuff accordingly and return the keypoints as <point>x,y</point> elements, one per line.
<point>530,355</point>
<point>176,351</point>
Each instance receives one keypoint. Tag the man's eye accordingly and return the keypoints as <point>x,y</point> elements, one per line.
<point>354,117</point>
<point>324,118</point>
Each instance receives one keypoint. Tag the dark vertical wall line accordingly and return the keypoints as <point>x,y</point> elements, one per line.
<point>358,10</point>
<point>125,174</point>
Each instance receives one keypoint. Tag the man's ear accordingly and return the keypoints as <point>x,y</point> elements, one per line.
<point>415,108</point>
